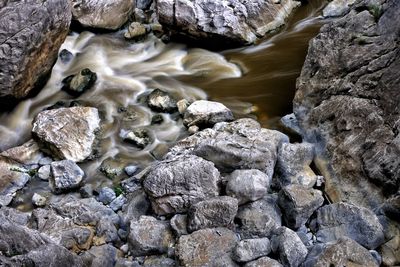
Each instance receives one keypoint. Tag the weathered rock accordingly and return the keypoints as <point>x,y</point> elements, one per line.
<point>118,203</point>
<point>160,101</point>
<point>158,261</point>
<point>104,14</point>
<point>139,137</point>
<point>143,4</point>
<point>149,236</point>
<point>15,216</point>
<point>337,8</point>
<point>25,64</point>
<point>205,113</point>
<point>179,224</point>
<point>263,262</point>
<point>136,206</point>
<point>26,154</point>
<point>79,83</point>
<point>38,200</point>
<point>210,213</point>
<point>135,30</point>
<point>251,249</point>
<point>106,195</point>
<point>288,245</point>
<point>247,185</point>
<point>174,185</point>
<point>207,247</point>
<point>104,255</point>
<point>233,21</point>
<point>44,172</point>
<point>65,175</point>
<point>67,133</point>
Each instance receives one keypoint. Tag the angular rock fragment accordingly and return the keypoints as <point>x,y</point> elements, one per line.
<point>139,137</point>
<point>65,175</point>
<point>135,31</point>
<point>179,224</point>
<point>205,113</point>
<point>79,83</point>
<point>251,249</point>
<point>160,101</point>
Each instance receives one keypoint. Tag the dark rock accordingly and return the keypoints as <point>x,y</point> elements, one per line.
<point>263,262</point>
<point>65,56</point>
<point>205,113</point>
<point>179,224</point>
<point>79,83</point>
<point>251,249</point>
<point>139,137</point>
<point>65,175</point>
<point>157,119</point>
<point>136,206</point>
<point>104,255</point>
<point>160,101</point>
<point>106,195</point>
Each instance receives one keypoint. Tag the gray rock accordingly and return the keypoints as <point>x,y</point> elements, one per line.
<point>15,216</point>
<point>131,170</point>
<point>143,4</point>
<point>337,8</point>
<point>118,203</point>
<point>27,154</point>
<point>38,200</point>
<point>247,185</point>
<point>290,122</point>
<point>158,261</point>
<point>139,137</point>
<point>44,172</point>
<point>67,133</point>
<point>106,195</point>
<point>342,219</point>
<point>210,213</point>
<point>79,83</point>
<point>251,249</point>
<point>174,185</point>
<point>205,113</point>
<point>104,14</point>
<point>263,262</point>
<point>86,191</point>
<point>66,175</point>
<point>24,63</point>
<point>160,101</point>
<point>179,224</point>
<point>149,236</point>
<point>137,205</point>
<point>112,167</point>
<point>298,203</point>
<point>206,247</point>
<point>104,255</point>
<point>289,247</point>
<point>182,105</point>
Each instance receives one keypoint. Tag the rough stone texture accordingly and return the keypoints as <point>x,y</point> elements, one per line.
<point>288,245</point>
<point>38,200</point>
<point>205,113</point>
<point>160,101</point>
<point>158,261</point>
<point>31,33</point>
<point>27,154</point>
<point>105,14</point>
<point>65,175</point>
<point>44,172</point>
<point>215,212</point>
<point>343,252</point>
<point>207,247</point>
<point>67,133</point>
<point>251,249</point>
<point>247,185</point>
<point>106,195</point>
<point>136,206</point>
<point>298,203</point>
<point>337,8</point>
<point>174,185</point>
<point>263,262</point>
<point>148,236</point>
<point>234,21</point>
<point>341,219</point>
<point>104,255</point>
<point>179,224</point>
<point>80,82</point>
<point>347,102</point>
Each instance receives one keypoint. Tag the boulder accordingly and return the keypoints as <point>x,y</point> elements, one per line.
<point>67,133</point>
<point>65,175</point>
<point>205,113</point>
<point>251,249</point>
<point>160,101</point>
<point>79,83</point>
<point>263,262</point>
<point>31,34</point>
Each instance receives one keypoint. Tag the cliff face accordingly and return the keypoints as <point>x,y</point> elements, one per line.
<point>348,102</point>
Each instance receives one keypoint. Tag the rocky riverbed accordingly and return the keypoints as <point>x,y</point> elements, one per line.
<point>216,188</point>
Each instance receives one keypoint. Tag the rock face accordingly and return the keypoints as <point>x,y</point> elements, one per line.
<point>205,113</point>
<point>67,133</point>
<point>24,64</point>
<point>104,14</point>
<point>347,102</point>
<point>233,21</point>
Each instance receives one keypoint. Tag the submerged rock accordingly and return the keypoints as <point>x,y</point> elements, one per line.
<point>205,113</point>
<point>65,175</point>
<point>160,101</point>
<point>79,83</point>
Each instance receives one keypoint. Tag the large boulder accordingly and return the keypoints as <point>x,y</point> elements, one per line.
<point>233,21</point>
<point>347,102</point>
<point>31,32</point>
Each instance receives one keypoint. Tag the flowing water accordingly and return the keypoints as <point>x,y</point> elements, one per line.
<point>256,81</point>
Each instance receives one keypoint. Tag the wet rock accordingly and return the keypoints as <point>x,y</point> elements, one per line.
<point>205,113</point>
<point>136,206</point>
<point>160,101</point>
<point>290,122</point>
<point>139,137</point>
<point>149,236</point>
<point>247,185</point>
<point>298,203</point>
<point>67,133</point>
<point>44,172</point>
<point>65,175</point>
<point>259,218</point>
<point>179,224</point>
<point>206,247</point>
<point>24,64</point>
<point>27,154</point>
<point>289,247</point>
<point>106,195</point>
<point>343,252</point>
<point>38,200</point>
<point>104,14</point>
<point>157,119</point>
<point>112,168</point>
<point>342,219</point>
<point>65,56</point>
<point>174,185</point>
<point>136,30</point>
<point>251,249</point>
<point>79,83</point>
<point>118,203</point>
<point>182,105</point>
<point>263,262</point>
<point>210,213</point>
<point>337,8</point>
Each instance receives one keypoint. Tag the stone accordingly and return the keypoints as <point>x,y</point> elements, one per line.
<point>143,4</point>
<point>286,243</point>
<point>205,113</point>
<point>337,8</point>
<point>44,172</point>
<point>131,169</point>
<point>118,203</point>
<point>106,195</point>
<point>65,175</point>
<point>179,224</point>
<point>79,83</point>
<point>112,168</point>
<point>15,216</point>
<point>343,219</point>
<point>104,255</point>
<point>103,14</point>
<point>27,154</point>
<point>137,205</point>
<point>291,123</point>
<point>206,247</point>
<point>67,133</point>
<point>161,101</point>
<point>135,30</point>
<point>86,191</point>
<point>65,56</point>
<point>38,200</point>
<point>182,105</point>
<point>157,119</point>
<point>174,185</point>
<point>193,129</point>
<point>298,203</point>
<point>263,262</point>
<point>251,249</point>
<point>149,236</point>
<point>247,185</point>
<point>31,35</point>
<point>157,261</point>
<point>139,137</point>
<point>211,213</point>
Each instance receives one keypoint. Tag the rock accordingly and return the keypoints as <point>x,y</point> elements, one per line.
<point>25,64</point>
<point>193,129</point>
<point>298,203</point>
<point>118,203</point>
<point>231,22</point>
<point>104,14</point>
<point>263,262</point>
<point>210,213</point>
<point>79,83</point>
<point>347,102</point>
<point>38,200</point>
<point>343,252</point>
<point>67,133</point>
<point>160,101</point>
<point>112,168</point>
<point>182,105</point>
<point>149,236</point>
<point>206,247</point>
<point>337,8</point>
<point>158,261</point>
<point>179,224</point>
<point>342,219</point>
<point>205,113</point>
<point>247,185</point>
<point>66,175</point>
<point>15,216</point>
<point>174,185</point>
<point>251,249</point>
<point>104,255</point>
<point>106,195</point>
<point>65,56</point>
<point>259,218</point>
<point>136,30</point>
<point>391,252</point>
<point>157,119</point>
<point>136,206</point>
<point>26,154</point>
<point>44,172</point>
<point>291,123</point>
<point>139,137</point>
<point>143,4</point>
<point>288,245</point>
<point>131,169</point>
<point>86,191</point>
